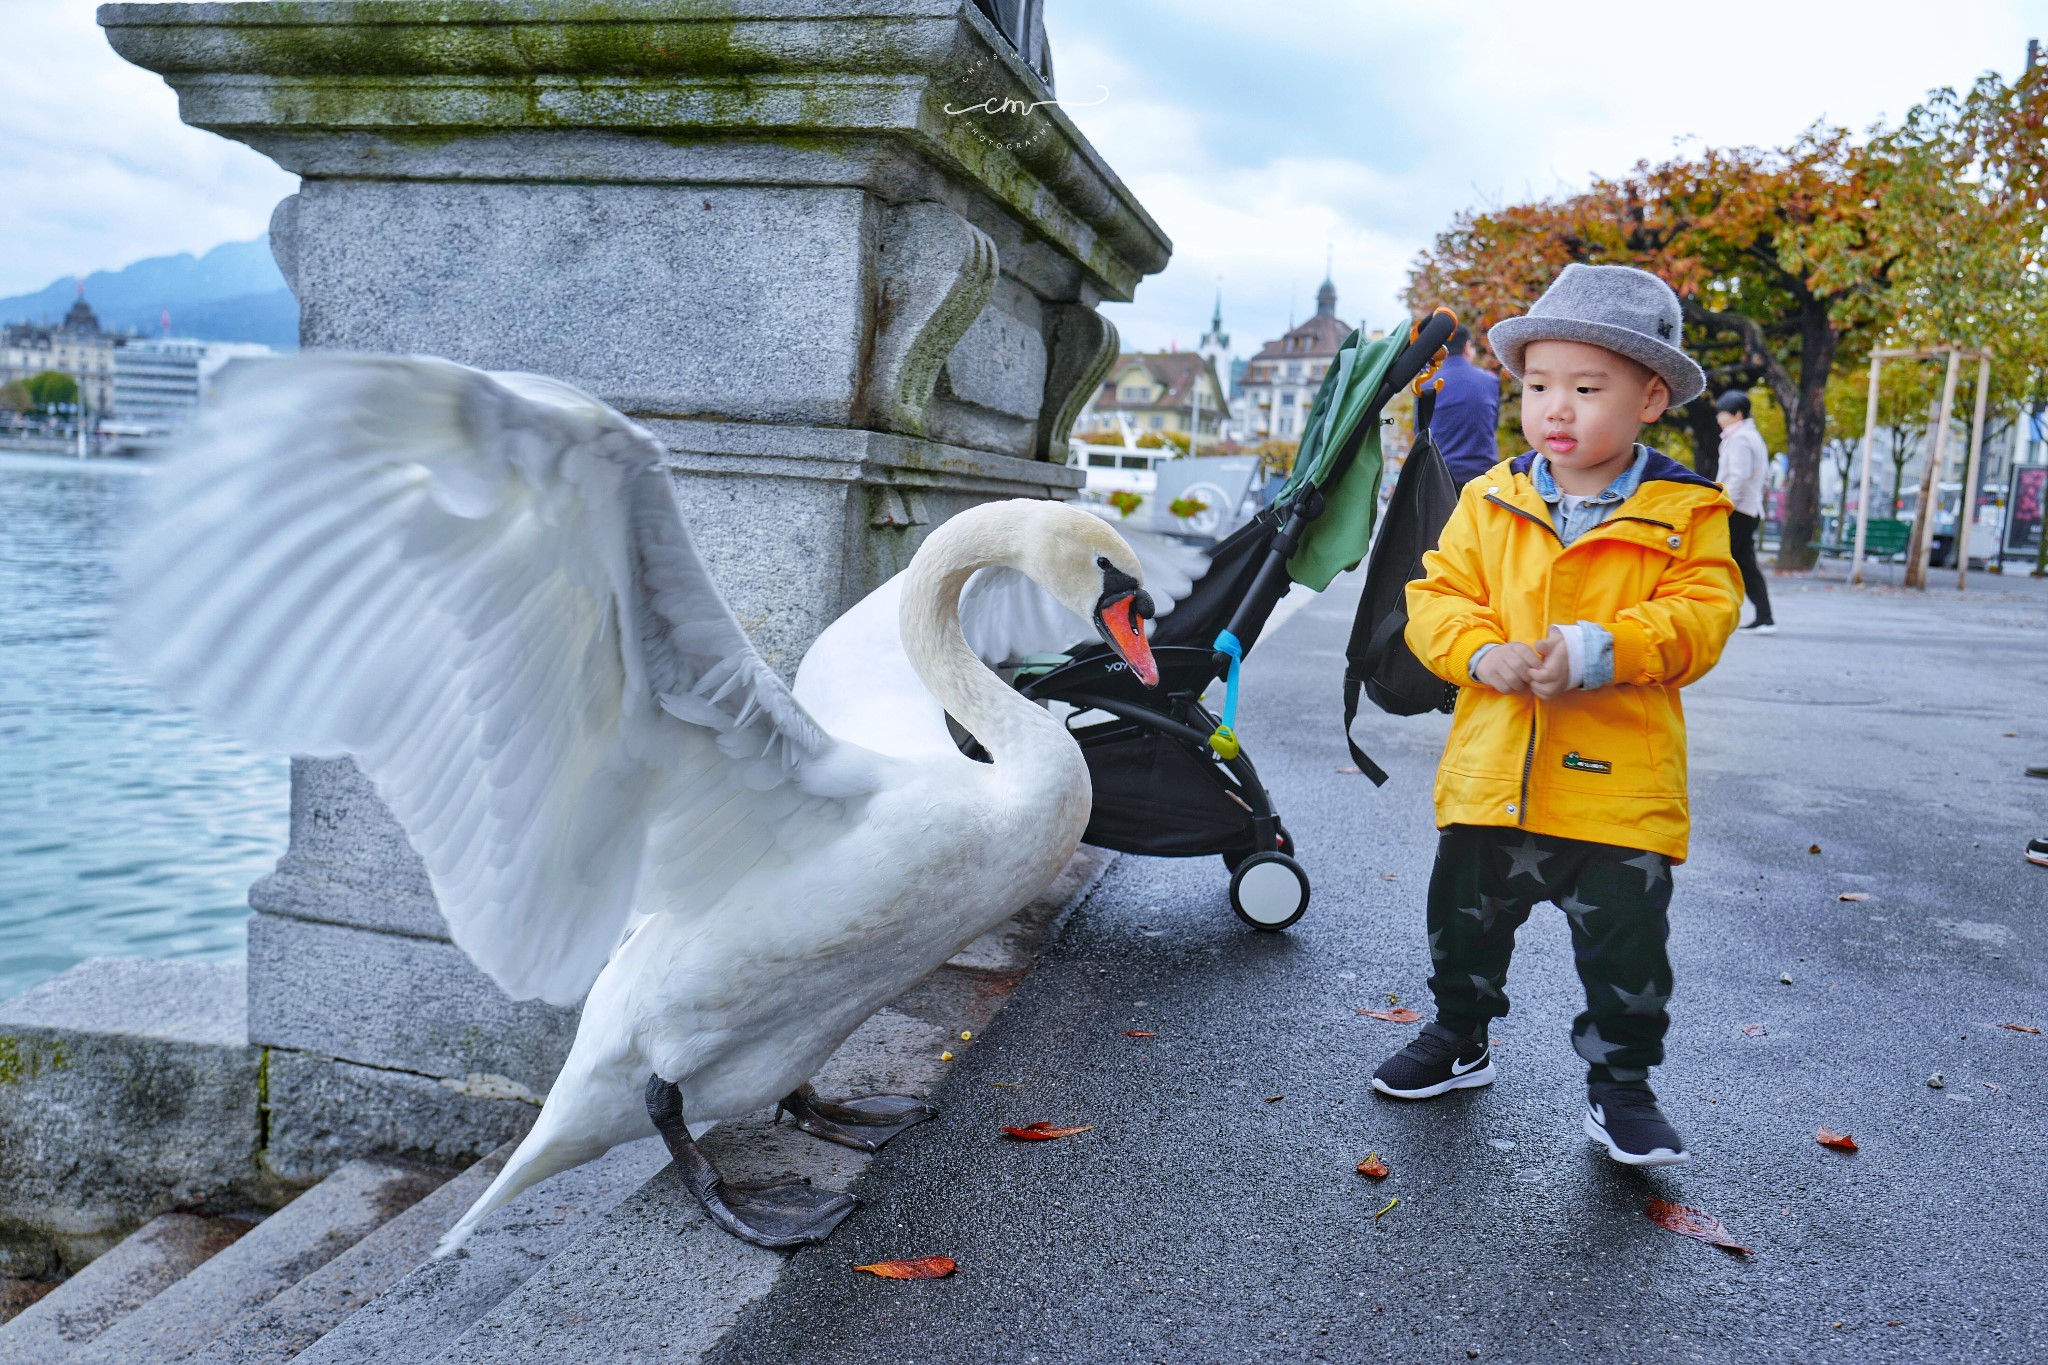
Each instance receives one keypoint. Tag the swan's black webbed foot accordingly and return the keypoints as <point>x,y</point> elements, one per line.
<point>863,1124</point>
<point>769,1213</point>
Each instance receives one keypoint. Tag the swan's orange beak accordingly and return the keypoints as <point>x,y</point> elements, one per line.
<point>1121,619</point>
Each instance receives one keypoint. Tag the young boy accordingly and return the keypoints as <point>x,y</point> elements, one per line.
<point>1575,590</point>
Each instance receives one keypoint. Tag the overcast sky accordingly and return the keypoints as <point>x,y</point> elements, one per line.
<point>1260,136</point>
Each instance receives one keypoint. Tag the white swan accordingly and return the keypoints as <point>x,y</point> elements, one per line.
<point>481,588</point>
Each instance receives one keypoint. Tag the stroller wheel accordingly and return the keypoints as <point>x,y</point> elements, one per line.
<point>1269,891</point>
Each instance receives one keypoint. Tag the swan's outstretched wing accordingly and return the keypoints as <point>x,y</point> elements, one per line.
<point>1005,617</point>
<point>481,588</point>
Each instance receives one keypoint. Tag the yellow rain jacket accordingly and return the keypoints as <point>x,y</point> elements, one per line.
<point>1605,764</point>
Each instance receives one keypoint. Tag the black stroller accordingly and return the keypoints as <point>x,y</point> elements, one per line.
<point>1170,778</point>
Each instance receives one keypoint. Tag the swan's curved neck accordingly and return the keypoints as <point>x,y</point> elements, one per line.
<point>970,691</point>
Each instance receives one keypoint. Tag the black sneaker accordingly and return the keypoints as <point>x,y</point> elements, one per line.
<point>1760,628</point>
<point>1626,1121</point>
<point>2037,851</point>
<point>1437,1061</point>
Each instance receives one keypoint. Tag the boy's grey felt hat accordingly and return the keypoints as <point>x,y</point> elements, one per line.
<point>1625,310</point>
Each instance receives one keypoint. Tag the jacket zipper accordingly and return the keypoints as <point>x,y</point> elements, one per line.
<point>1528,764</point>
<point>1526,516</point>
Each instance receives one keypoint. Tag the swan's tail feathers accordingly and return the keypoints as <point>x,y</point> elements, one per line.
<point>536,1159</point>
<point>590,1110</point>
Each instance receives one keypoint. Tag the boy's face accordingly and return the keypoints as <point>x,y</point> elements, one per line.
<point>1582,405</point>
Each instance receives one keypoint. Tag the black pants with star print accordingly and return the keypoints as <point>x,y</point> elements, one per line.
<point>1486,881</point>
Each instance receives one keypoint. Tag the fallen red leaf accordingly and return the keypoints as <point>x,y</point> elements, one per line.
<point>1043,1131</point>
<point>1841,1142</point>
<point>918,1268</point>
<point>1698,1224</point>
<point>1374,1168</point>
<point>1403,1015</point>
<point>2020,1028</point>
<point>1755,1030</point>
<point>1813,848</point>
<point>1138,1033</point>
<point>1347,770</point>
<point>1854,896</point>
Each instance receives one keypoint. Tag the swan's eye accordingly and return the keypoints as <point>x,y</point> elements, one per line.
<point>1102,562</point>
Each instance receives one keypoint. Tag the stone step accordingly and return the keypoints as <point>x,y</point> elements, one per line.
<point>435,1302</point>
<point>282,1328</point>
<point>284,1249</point>
<point>149,1260</point>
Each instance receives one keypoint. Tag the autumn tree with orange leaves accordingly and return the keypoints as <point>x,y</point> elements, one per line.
<point>1791,262</point>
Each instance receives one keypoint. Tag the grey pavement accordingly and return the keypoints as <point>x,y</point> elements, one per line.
<point>1203,1219</point>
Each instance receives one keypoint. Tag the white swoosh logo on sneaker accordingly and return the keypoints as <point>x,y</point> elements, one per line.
<point>1476,1062</point>
<point>1599,1114</point>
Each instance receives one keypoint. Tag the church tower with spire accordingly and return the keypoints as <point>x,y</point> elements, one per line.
<point>1214,347</point>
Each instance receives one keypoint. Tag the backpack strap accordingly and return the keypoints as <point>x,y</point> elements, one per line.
<point>1365,765</point>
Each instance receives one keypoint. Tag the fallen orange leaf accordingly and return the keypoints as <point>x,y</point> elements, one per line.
<point>1347,769</point>
<point>918,1268</point>
<point>1374,1168</point>
<point>1403,1015</point>
<point>1272,1099</point>
<point>1043,1131</point>
<point>1754,1030</point>
<point>1841,1142</point>
<point>1854,896</point>
<point>1698,1224</point>
<point>1813,848</point>
<point>2020,1028</point>
<point>1138,1033</point>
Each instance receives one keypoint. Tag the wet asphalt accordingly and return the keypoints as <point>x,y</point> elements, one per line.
<point>1213,1213</point>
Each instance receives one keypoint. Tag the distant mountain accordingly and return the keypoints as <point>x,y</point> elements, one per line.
<point>232,293</point>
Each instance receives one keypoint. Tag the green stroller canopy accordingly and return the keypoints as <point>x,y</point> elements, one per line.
<point>1337,541</point>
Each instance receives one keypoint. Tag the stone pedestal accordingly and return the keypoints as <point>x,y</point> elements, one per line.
<point>841,255</point>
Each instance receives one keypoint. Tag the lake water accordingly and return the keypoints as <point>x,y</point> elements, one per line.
<point>125,829</point>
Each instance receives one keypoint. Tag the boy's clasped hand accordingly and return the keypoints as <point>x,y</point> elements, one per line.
<point>1539,666</point>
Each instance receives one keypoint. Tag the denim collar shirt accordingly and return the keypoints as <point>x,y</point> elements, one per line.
<point>1573,521</point>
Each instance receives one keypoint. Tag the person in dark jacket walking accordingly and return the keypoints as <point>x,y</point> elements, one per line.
<point>1467,412</point>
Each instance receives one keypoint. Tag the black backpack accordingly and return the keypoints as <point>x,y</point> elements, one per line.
<point>1378,660</point>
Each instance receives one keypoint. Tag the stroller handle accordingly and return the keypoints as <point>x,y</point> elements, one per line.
<point>1249,619</point>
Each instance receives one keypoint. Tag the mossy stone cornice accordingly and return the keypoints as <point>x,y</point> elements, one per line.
<point>813,80</point>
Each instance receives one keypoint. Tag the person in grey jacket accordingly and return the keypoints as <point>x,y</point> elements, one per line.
<point>1744,463</point>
